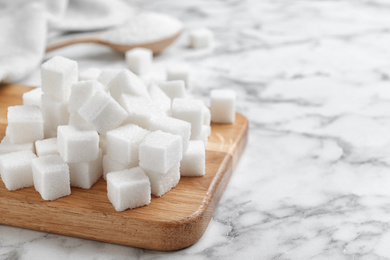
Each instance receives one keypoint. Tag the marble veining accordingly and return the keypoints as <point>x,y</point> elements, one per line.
<point>313,78</point>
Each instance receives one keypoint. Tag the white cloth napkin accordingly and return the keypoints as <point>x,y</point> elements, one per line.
<point>25,24</point>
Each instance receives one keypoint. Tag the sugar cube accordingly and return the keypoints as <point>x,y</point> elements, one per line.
<point>51,177</point>
<point>160,151</point>
<point>15,169</point>
<point>25,124</point>
<point>46,147</point>
<point>178,72</point>
<point>85,174</point>
<point>174,126</point>
<point>222,106</point>
<point>90,74</point>
<point>126,82</point>
<point>201,38</point>
<point>123,143</point>
<point>33,97</point>
<point>128,189</point>
<point>112,165</point>
<point>139,109</point>
<point>194,160</point>
<point>160,98</point>
<point>80,92</point>
<point>139,60</point>
<point>55,113</point>
<point>173,89</point>
<point>102,112</point>
<point>57,75</point>
<point>162,183</point>
<point>107,75</point>
<point>76,145</point>
<point>6,147</point>
<point>190,110</point>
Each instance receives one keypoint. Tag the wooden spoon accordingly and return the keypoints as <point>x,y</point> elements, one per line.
<point>156,46</point>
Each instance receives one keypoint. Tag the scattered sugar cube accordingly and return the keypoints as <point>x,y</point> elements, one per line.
<point>112,165</point>
<point>194,160</point>
<point>102,112</point>
<point>123,143</point>
<point>173,89</point>
<point>162,183</point>
<point>46,147</point>
<point>107,75</point>
<point>206,116</point>
<point>178,72</point>
<point>86,174</point>
<point>160,98</point>
<point>77,121</point>
<point>139,60</point>
<point>25,124</point>
<point>6,147</point>
<point>126,82</point>
<point>15,169</point>
<point>90,74</point>
<point>160,151</point>
<point>201,38</point>
<point>51,177</point>
<point>75,145</point>
<point>33,97</point>
<point>174,126</point>
<point>55,113</point>
<point>222,106</point>
<point>128,189</point>
<point>57,75</point>
<point>139,109</point>
<point>190,110</point>
<point>80,92</point>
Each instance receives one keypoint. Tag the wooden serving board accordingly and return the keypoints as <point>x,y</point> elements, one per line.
<point>174,221</point>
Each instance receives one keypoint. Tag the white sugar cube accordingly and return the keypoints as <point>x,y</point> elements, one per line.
<point>77,121</point>
<point>90,74</point>
<point>128,189</point>
<point>123,143</point>
<point>33,97</point>
<point>139,60</point>
<point>46,147</point>
<point>201,38</point>
<point>6,147</point>
<point>173,89</point>
<point>190,110</point>
<point>222,106</point>
<point>160,151</point>
<point>57,75</point>
<point>172,125</point>
<point>194,160</point>
<point>160,98</point>
<point>206,116</point>
<point>178,72</point>
<point>126,82</point>
<point>51,177</point>
<point>80,92</point>
<point>102,112</point>
<point>25,124</point>
<point>55,113</point>
<point>112,165</point>
<point>76,145</point>
<point>15,169</point>
<point>139,109</point>
<point>85,174</point>
<point>162,183</point>
<point>107,75</point>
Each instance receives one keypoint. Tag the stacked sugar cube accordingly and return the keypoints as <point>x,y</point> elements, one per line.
<point>140,138</point>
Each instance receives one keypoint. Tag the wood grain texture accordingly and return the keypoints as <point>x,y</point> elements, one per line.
<point>174,221</point>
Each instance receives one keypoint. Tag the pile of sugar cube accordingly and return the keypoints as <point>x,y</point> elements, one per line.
<point>76,129</point>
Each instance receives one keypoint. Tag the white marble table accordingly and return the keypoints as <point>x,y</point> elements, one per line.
<point>312,77</point>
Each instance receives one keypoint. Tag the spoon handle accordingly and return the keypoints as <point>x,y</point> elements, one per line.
<point>66,41</point>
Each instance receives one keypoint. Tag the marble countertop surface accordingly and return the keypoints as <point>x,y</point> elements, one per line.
<point>312,77</point>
